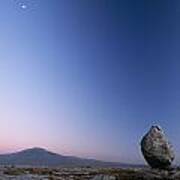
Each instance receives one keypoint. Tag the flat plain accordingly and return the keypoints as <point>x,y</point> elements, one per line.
<point>86,173</point>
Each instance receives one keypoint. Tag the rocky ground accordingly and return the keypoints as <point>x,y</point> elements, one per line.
<point>28,173</point>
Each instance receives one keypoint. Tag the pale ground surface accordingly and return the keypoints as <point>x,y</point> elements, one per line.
<point>28,173</point>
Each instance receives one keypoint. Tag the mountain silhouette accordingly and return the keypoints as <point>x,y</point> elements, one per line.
<point>43,157</point>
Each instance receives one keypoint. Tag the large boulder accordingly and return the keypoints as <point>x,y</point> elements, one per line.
<point>156,149</point>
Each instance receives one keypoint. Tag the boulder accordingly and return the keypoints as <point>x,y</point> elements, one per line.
<point>156,149</point>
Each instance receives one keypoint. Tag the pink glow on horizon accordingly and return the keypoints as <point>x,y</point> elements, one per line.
<point>11,148</point>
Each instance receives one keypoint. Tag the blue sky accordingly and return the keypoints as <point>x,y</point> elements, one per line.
<point>88,78</point>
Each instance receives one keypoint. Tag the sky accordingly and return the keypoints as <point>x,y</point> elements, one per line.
<point>89,78</point>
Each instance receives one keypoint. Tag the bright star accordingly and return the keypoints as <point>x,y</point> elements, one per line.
<point>23,6</point>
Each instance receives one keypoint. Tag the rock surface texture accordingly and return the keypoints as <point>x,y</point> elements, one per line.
<point>93,173</point>
<point>156,149</point>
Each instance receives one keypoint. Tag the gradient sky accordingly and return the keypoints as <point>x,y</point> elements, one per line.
<point>89,77</point>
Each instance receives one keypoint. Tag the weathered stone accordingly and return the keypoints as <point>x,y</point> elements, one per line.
<point>156,149</point>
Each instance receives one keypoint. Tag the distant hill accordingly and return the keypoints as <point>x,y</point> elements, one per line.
<point>42,157</point>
